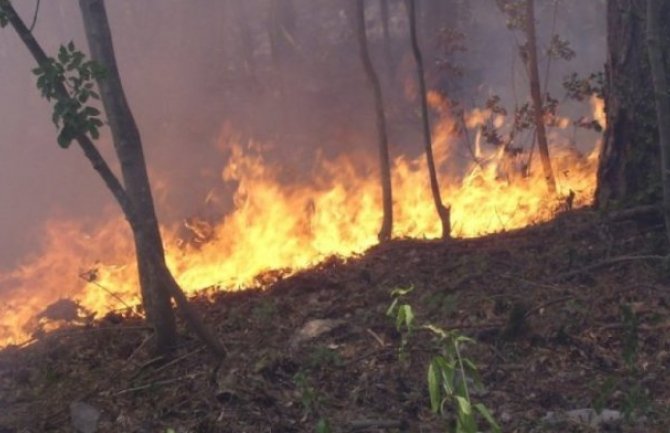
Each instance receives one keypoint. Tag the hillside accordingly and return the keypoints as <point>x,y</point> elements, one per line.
<point>567,315</point>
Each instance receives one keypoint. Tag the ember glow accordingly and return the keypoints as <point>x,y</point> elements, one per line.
<point>275,225</point>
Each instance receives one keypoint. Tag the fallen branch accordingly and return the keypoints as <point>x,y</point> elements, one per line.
<point>176,360</point>
<point>603,263</point>
<point>155,384</point>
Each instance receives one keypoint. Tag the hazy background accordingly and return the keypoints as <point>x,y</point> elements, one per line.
<point>184,72</point>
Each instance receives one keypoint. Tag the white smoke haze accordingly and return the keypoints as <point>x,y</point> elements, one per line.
<point>184,75</point>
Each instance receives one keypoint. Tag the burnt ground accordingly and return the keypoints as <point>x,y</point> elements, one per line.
<point>571,314</point>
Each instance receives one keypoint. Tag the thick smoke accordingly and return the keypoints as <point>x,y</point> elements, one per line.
<point>187,74</point>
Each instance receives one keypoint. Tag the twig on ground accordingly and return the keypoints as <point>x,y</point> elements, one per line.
<point>178,359</point>
<point>544,305</point>
<point>376,337</point>
<point>155,384</point>
<point>140,347</point>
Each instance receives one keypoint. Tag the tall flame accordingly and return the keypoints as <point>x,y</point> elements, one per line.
<point>275,225</point>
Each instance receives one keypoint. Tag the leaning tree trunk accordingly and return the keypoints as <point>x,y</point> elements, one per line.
<point>156,281</point>
<point>442,211</point>
<point>661,97</point>
<point>628,172</point>
<point>536,94</point>
<point>373,80</point>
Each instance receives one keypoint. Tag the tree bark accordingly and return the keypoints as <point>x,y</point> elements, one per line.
<point>443,212</point>
<point>384,15</point>
<point>536,94</point>
<point>157,283</point>
<point>662,99</point>
<point>628,171</point>
<point>373,81</point>
<point>128,147</point>
<point>154,256</point>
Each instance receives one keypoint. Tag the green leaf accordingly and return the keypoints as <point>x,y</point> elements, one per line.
<point>402,292</point>
<point>95,134</point>
<point>483,410</point>
<point>63,55</point>
<point>70,46</point>
<point>436,330</point>
<point>64,138</point>
<point>3,17</point>
<point>434,376</point>
<point>464,405</point>
<point>405,317</point>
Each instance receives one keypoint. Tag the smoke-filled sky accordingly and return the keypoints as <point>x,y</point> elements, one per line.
<point>181,67</point>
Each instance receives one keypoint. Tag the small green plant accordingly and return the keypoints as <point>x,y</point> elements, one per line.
<point>309,397</point>
<point>450,374</point>
<point>311,401</point>
<point>404,316</point>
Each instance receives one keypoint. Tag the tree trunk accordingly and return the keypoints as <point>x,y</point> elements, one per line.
<point>128,147</point>
<point>384,15</point>
<point>628,172</point>
<point>442,211</point>
<point>662,99</point>
<point>536,94</point>
<point>373,80</point>
<point>157,283</point>
<point>246,46</point>
<point>116,188</point>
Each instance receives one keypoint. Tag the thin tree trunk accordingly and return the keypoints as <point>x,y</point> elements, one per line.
<point>536,94</point>
<point>661,98</point>
<point>157,283</point>
<point>128,147</point>
<point>443,212</point>
<point>116,188</point>
<point>246,38</point>
<point>384,12</point>
<point>373,80</point>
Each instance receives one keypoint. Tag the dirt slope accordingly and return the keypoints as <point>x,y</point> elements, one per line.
<point>572,314</point>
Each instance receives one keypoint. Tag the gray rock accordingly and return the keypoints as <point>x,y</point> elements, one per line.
<point>313,329</point>
<point>584,416</point>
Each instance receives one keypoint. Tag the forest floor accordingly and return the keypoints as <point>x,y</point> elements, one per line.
<point>568,315</point>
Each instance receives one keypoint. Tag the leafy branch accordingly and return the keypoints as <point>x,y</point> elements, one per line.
<point>77,75</point>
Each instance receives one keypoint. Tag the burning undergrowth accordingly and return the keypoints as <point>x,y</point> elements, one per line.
<point>279,224</point>
<point>582,299</point>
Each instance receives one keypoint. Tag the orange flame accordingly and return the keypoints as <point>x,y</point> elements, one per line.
<point>280,226</point>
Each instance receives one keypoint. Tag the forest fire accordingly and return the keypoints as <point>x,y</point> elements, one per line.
<point>275,225</point>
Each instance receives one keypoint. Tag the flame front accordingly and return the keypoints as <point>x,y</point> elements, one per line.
<point>280,226</point>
